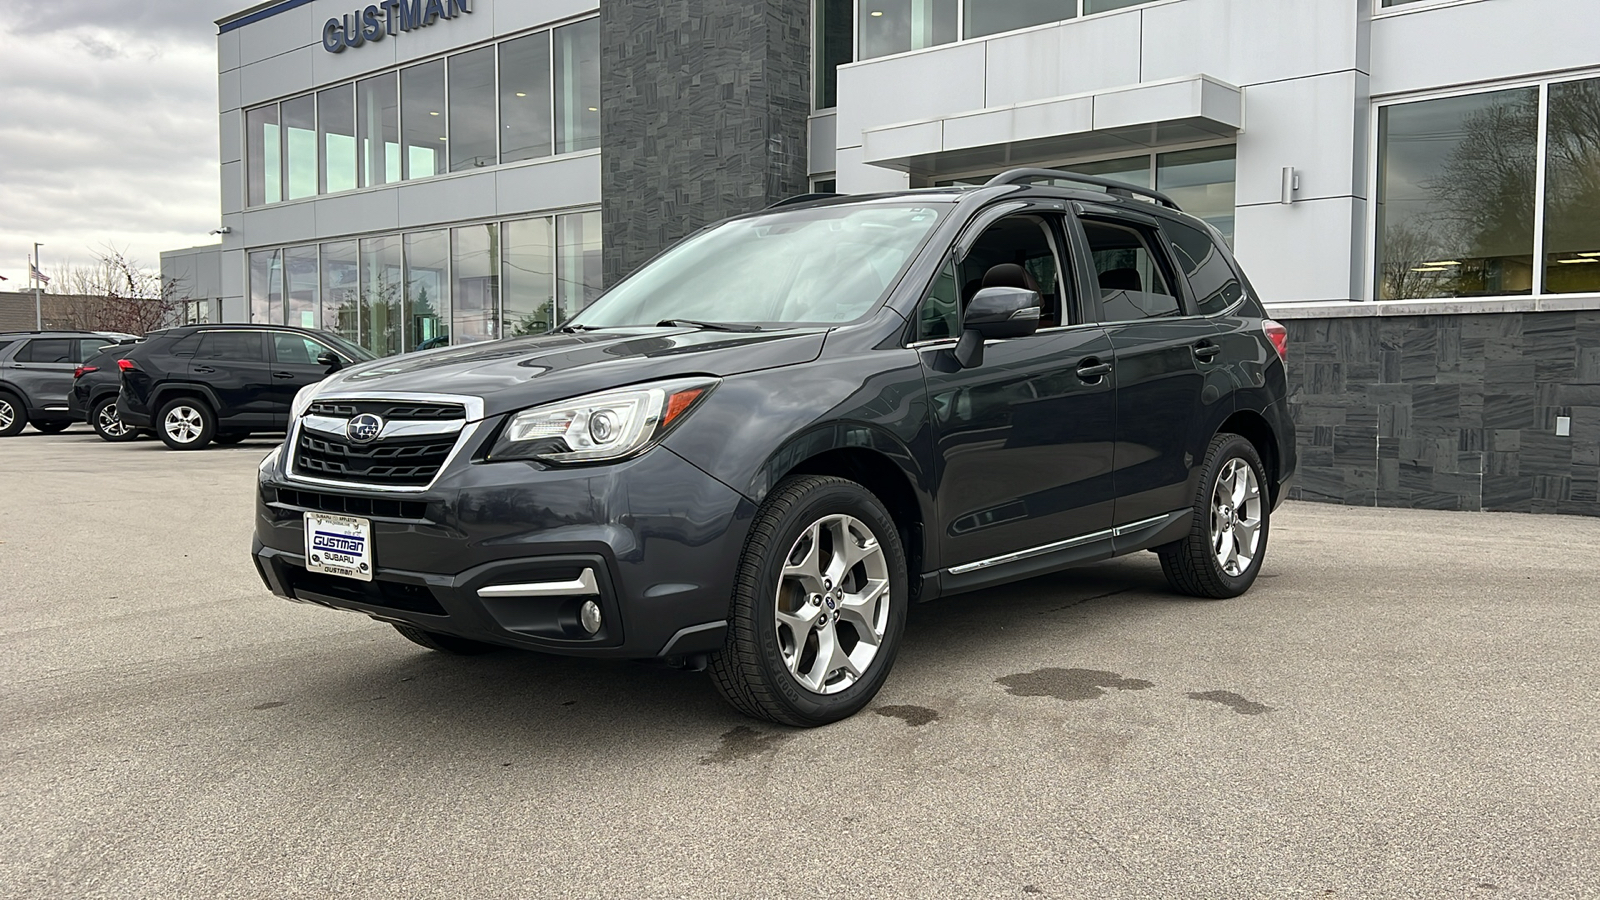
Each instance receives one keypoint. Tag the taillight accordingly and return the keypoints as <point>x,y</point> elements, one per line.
<point>1278,335</point>
<point>126,365</point>
<point>81,371</point>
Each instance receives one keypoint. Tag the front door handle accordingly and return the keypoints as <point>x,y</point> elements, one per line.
<point>204,370</point>
<point>1092,370</point>
<point>282,374</point>
<point>1206,350</point>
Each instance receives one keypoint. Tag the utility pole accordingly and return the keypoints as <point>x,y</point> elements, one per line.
<point>38,290</point>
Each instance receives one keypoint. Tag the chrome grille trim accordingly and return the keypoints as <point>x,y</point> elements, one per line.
<point>466,431</point>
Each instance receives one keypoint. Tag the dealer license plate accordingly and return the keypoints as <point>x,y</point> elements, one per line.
<point>339,545</point>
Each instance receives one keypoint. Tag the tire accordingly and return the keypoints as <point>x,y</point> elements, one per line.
<point>229,438</point>
<point>186,424</point>
<point>1195,565</point>
<point>54,427</point>
<point>772,666</point>
<point>443,643</point>
<point>104,420</point>
<point>13,416</point>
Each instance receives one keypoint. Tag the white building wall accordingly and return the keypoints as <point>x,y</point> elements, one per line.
<point>282,56</point>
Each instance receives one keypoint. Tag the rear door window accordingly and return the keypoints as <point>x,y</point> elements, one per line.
<point>1216,285</point>
<point>238,346</point>
<point>49,350</point>
<point>1134,277</point>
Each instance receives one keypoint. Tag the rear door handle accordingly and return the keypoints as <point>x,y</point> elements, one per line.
<point>1206,350</point>
<point>203,370</point>
<point>1092,370</point>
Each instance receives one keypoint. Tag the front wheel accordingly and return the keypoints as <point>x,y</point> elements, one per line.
<point>819,605</point>
<point>186,424</point>
<point>1227,541</point>
<point>108,425</point>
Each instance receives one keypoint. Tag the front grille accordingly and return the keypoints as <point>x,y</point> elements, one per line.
<point>390,411</point>
<point>353,506</point>
<point>396,461</point>
<point>415,598</point>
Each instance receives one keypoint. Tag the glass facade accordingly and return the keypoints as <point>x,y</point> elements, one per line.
<point>895,26</point>
<point>834,43</point>
<point>522,98</point>
<point>414,290</point>
<point>1572,189</point>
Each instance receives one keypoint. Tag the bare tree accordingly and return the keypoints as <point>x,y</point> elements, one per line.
<point>1402,273</point>
<point>115,293</point>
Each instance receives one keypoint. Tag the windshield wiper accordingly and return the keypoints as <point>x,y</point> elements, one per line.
<point>574,329</point>
<point>708,326</point>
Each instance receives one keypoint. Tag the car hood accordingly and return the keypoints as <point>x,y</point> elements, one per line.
<point>517,373</point>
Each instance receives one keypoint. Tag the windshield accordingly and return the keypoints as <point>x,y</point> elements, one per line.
<point>823,265</point>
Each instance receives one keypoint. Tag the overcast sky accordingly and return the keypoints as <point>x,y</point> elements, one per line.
<point>108,129</point>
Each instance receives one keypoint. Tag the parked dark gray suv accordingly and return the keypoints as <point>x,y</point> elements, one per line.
<point>36,376</point>
<point>753,454</point>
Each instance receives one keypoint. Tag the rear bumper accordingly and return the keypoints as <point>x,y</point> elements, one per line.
<point>659,538</point>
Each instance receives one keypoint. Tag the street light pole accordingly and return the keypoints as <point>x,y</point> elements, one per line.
<point>38,290</point>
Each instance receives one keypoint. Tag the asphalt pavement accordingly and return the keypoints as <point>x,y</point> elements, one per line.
<point>1406,705</point>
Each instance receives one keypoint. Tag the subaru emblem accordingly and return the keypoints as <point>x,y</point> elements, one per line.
<point>364,429</point>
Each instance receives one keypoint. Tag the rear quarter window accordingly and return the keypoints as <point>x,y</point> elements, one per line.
<point>1216,286</point>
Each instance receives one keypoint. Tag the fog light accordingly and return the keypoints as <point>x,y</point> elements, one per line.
<point>589,615</point>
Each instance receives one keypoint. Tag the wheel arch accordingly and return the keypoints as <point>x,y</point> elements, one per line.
<point>1253,427</point>
<point>165,394</point>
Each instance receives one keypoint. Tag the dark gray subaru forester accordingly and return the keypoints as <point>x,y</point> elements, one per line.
<point>753,454</point>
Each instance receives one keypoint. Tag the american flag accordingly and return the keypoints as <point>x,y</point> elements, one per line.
<point>43,278</point>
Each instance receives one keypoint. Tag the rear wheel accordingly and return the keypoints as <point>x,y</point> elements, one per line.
<point>186,424</point>
<point>52,427</point>
<point>229,438</point>
<point>444,643</point>
<point>13,418</point>
<point>818,607</point>
<point>106,423</point>
<point>1227,541</point>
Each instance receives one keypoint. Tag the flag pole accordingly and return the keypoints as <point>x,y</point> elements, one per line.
<point>38,291</point>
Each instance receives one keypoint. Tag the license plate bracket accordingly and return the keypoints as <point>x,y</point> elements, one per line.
<point>339,545</point>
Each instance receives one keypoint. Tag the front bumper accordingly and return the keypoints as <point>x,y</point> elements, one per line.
<point>661,537</point>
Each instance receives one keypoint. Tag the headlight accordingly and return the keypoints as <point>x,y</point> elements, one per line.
<point>302,400</point>
<point>600,427</point>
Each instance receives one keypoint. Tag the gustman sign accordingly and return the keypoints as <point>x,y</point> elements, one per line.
<point>386,19</point>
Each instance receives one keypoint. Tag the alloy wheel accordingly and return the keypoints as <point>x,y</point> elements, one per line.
<point>832,605</point>
<point>1236,517</point>
<point>109,422</point>
<point>183,424</point>
<point>8,414</point>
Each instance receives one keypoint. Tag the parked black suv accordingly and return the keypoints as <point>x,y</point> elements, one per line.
<point>36,375</point>
<point>755,452</point>
<point>202,383</point>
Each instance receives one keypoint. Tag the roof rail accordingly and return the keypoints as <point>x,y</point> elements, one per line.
<point>801,198</point>
<point>1118,188</point>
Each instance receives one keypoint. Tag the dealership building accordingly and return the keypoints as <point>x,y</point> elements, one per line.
<point>1413,185</point>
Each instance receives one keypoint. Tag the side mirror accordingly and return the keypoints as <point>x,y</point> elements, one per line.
<point>996,313</point>
<point>331,360</point>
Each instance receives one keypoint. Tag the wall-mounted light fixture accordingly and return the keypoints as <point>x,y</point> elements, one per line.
<point>1291,185</point>
<point>223,230</point>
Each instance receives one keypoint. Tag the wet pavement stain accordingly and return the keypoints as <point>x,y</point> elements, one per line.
<point>915,716</point>
<point>740,743</point>
<point>1228,698</point>
<point>1069,684</point>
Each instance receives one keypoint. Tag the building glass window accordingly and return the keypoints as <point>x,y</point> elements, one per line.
<point>577,87</point>
<point>1133,170</point>
<point>895,26</point>
<point>336,136</point>
<point>1202,182</point>
<point>263,156</point>
<point>378,130</point>
<point>1090,7</point>
<point>530,270</point>
<point>1455,199</point>
<point>341,290</point>
<point>266,287</point>
<point>300,286</point>
<point>422,120</point>
<point>1572,189</point>
<point>472,143</point>
<point>834,41</point>
<point>994,16</point>
<point>475,283</point>
<point>300,146</point>
<point>427,289</point>
<point>382,289</point>
<point>579,279</point>
<point>525,98</point>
